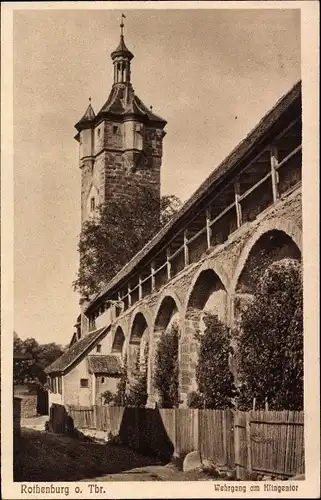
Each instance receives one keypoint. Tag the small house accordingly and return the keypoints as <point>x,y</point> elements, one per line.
<point>84,371</point>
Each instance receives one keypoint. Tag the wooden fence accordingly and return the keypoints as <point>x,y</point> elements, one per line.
<point>269,442</point>
<point>263,442</point>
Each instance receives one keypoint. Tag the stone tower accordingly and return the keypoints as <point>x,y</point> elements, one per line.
<point>120,148</point>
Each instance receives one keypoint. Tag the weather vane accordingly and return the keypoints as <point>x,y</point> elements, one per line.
<point>122,24</point>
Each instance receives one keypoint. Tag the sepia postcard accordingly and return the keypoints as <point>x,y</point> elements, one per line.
<point>159,250</point>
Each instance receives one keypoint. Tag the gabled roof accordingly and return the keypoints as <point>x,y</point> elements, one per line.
<point>254,138</point>
<point>75,351</point>
<point>104,363</point>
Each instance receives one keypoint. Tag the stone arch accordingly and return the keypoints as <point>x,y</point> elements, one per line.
<point>118,342</point>
<point>168,312</point>
<point>138,345</point>
<point>168,298</point>
<point>278,224</point>
<point>208,292</point>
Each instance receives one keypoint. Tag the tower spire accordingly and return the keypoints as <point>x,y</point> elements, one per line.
<point>122,24</point>
<point>121,58</point>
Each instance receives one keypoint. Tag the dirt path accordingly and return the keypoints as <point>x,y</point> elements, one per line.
<point>43,456</point>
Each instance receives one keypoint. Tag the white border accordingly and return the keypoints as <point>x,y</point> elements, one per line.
<point>310,78</point>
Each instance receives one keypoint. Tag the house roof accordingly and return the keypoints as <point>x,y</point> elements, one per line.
<point>104,363</point>
<point>244,147</point>
<point>75,351</point>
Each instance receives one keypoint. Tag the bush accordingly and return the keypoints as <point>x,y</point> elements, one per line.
<point>108,397</point>
<point>137,393</point>
<point>214,378</point>
<point>166,368</point>
<point>270,341</point>
<point>195,400</point>
<point>120,396</point>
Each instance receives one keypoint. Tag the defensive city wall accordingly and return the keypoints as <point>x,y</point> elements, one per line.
<point>246,215</point>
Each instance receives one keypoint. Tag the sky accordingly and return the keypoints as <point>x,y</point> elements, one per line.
<point>212,74</point>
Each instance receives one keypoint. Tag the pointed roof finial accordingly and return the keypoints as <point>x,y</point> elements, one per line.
<point>122,24</point>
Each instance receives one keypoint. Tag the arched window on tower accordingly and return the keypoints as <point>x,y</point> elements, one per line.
<point>92,204</point>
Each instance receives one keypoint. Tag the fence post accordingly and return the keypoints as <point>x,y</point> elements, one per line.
<point>196,429</point>
<point>248,441</point>
<point>224,418</point>
<point>95,416</point>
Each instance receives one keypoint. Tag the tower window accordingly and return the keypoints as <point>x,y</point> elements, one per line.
<point>92,204</point>
<point>115,129</point>
<point>98,132</point>
<point>102,380</point>
<point>99,348</point>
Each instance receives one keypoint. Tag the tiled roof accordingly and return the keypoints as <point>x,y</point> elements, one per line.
<point>104,363</point>
<point>122,101</point>
<point>75,351</point>
<point>243,148</point>
<point>88,117</point>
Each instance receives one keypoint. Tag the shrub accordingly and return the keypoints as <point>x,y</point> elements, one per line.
<point>108,397</point>
<point>120,396</point>
<point>166,368</point>
<point>214,378</point>
<point>270,340</point>
<point>195,400</point>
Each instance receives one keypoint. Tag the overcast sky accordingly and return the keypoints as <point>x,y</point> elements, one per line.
<point>212,74</point>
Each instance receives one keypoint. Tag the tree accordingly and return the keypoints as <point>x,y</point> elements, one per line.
<point>214,378</point>
<point>119,230</point>
<point>270,340</point>
<point>170,205</point>
<point>31,358</point>
<point>120,396</point>
<point>137,390</point>
<point>166,368</point>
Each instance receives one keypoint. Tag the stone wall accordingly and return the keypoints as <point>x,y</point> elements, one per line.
<point>28,405</point>
<point>226,261</point>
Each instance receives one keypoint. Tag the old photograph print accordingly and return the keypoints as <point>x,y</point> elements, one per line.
<point>158,248</point>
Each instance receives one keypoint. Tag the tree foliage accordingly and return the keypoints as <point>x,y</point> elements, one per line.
<point>117,232</point>
<point>136,394</point>
<point>31,358</point>
<point>120,396</point>
<point>167,369</point>
<point>270,340</point>
<point>214,378</point>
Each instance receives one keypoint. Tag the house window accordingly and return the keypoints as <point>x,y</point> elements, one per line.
<point>102,380</point>
<point>84,382</point>
<point>92,204</point>
<point>115,129</point>
<point>99,348</point>
<point>59,385</point>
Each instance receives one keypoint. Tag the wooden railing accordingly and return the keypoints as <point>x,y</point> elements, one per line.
<point>209,224</point>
